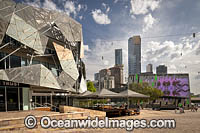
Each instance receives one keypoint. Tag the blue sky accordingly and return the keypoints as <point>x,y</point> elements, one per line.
<point>107,25</point>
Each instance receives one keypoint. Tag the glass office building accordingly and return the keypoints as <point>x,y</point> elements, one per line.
<point>134,55</point>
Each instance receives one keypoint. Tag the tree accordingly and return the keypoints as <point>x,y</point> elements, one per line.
<point>145,89</point>
<point>90,86</point>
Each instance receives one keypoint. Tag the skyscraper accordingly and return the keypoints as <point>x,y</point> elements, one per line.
<point>149,68</point>
<point>134,55</point>
<point>118,57</point>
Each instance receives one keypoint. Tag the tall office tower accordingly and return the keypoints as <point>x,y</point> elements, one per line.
<point>118,57</point>
<point>134,55</point>
<point>161,69</point>
<point>149,68</point>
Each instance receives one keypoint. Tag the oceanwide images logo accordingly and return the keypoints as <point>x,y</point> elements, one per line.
<point>30,121</point>
<point>46,122</point>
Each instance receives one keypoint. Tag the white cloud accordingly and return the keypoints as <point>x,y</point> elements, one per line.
<point>148,22</point>
<point>104,5</point>
<point>105,62</point>
<point>115,1</point>
<point>70,8</point>
<point>86,48</point>
<point>143,6</point>
<point>79,7</point>
<point>107,8</point>
<point>80,17</point>
<point>84,7</point>
<point>36,3</point>
<point>49,5</point>
<point>100,17</point>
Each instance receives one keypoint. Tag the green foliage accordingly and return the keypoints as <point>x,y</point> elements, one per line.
<point>145,89</point>
<point>194,96</point>
<point>90,86</point>
<point>100,101</point>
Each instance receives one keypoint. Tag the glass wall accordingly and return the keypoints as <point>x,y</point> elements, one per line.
<point>35,62</point>
<point>2,99</point>
<point>11,98</point>
<point>23,62</point>
<point>16,61</point>
<point>53,69</point>
<point>2,63</point>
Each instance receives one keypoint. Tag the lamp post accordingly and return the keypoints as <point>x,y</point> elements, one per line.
<point>127,95</point>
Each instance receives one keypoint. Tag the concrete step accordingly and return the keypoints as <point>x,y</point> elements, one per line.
<point>22,128</point>
<point>15,123</point>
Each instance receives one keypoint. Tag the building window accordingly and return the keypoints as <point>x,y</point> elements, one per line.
<point>2,63</point>
<point>24,62</point>
<point>35,62</point>
<point>15,61</point>
<point>45,64</point>
<point>53,69</point>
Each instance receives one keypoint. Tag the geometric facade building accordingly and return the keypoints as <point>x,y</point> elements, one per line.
<point>40,51</point>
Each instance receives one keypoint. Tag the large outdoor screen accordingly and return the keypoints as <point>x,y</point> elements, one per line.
<point>171,85</point>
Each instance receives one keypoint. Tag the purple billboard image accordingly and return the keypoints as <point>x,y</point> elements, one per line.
<point>173,86</point>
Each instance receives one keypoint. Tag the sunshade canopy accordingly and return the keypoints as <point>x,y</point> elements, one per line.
<point>85,94</point>
<point>130,93</point>
<point>104,93</point>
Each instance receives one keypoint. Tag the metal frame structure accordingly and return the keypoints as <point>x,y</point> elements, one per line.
<point>37,30</point>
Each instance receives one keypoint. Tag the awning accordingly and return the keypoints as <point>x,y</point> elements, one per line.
<point>103,93</point>
<point>130,93</point>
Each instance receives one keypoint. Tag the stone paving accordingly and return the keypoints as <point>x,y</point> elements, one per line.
<point>23,114</point>
<point>189,122</point>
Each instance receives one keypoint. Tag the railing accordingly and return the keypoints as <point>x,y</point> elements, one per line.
<point>53,107</point>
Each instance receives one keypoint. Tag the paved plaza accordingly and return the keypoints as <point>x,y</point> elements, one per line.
<point>185,123</point>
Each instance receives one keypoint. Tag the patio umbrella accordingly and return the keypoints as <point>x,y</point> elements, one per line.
<point>104,93</point>
<point>129,93</point>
